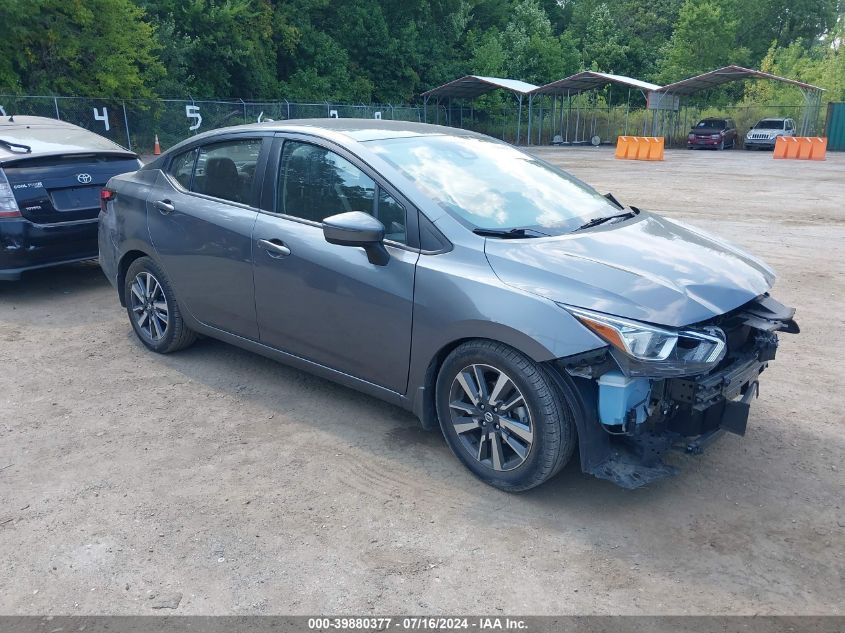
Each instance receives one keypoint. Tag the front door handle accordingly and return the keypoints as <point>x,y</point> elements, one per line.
<point>165,206</point>
<point>274,248</point>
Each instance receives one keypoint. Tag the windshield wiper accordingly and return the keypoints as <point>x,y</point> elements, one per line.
<point>596,221</point>
<point>16,146</point>
<point>516,233</point>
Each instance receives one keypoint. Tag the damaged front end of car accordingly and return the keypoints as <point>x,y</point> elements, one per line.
<point>656,389</point>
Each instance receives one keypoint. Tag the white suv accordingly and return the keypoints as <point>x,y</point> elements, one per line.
<point>765,132</point>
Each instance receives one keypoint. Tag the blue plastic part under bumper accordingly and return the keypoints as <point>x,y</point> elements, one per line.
<point>619,394</point>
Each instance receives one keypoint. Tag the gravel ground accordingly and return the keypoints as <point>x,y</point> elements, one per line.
<point>215,481</point>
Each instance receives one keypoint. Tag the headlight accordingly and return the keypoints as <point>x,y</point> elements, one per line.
<point>748,135</point>
<point>715,136</point>
<point>641,349</point>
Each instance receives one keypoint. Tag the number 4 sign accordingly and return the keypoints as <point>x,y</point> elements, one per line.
<point>104,117</point>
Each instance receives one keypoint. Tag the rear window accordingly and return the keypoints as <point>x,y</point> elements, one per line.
<point>55,140</point>
<point>72,159</point>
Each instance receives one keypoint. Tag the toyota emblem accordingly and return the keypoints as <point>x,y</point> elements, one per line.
<point>84,178</point>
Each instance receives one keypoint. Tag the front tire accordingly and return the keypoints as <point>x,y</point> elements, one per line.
<point>153,310</point>
<point>503,416</point>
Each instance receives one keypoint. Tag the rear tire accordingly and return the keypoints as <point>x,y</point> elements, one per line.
<point>503,416</point>
<point>153,310</point>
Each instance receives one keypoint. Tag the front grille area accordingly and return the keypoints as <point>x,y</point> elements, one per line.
<point>738,336</point>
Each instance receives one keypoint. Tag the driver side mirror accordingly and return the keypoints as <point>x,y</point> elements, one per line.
<point>358,229</point>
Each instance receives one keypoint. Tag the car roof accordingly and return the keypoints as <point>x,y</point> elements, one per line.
<point>361,130</point>
<point>50,137</point>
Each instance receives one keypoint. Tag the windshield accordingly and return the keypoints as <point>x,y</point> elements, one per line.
<point>493,185</point>
<point>712,123</point>
<point>769,125</point>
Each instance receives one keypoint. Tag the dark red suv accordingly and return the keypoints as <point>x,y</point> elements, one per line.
<point>713,134</point>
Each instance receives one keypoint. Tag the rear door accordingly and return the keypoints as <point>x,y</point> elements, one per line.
<point>55,189</point>
<point>200,216</point>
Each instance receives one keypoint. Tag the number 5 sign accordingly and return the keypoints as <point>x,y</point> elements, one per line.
<point>193,112</point>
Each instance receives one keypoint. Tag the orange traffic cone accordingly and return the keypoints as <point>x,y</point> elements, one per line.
<point>156,147</point>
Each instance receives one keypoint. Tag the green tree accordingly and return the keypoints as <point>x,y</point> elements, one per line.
<point>784,22</point>
<point>218,48</point>
<point>704,39</point>
<point>526,49</point>
<point>102,48</point>
<point>604,47</point>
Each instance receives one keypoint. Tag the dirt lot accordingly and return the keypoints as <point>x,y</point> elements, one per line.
<point>127,478</point>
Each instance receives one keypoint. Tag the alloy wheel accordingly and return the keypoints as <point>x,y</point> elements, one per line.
<point>491,417</point>
<point>149,305</point>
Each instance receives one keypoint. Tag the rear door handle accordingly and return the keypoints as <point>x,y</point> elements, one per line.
<point>275,248</point>
<point>165,206</point>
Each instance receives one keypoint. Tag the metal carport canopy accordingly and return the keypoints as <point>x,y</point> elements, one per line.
<point>472,86</point>
<point>725,75</point>
<point>591,80</point>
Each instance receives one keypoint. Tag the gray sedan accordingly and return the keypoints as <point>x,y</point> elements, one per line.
<point>488,292</point>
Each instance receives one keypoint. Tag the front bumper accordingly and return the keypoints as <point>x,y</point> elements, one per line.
<point>709,143</point>
<point>25,245</point>
<point>762,143</point>
<point>682,413</point>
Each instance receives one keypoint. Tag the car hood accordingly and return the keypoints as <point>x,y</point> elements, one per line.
<point>650,269</point>
<point>706,130</point>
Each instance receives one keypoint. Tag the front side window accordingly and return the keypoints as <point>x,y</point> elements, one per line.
<point>493,185</point>
<point>392,215</point>
<point>182,167</point>
<point>227,170</point>
<point>315,183</point>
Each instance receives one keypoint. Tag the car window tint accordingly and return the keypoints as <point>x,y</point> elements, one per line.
<point>182,166</point>
<point>392,215</point>
<point>227,170</point>
<point>315,183</point>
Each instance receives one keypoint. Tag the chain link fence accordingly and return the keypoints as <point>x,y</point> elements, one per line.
<point>135,123</point>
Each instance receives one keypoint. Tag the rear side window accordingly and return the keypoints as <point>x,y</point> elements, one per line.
<point>182,167</point>
<point>227,170</point>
